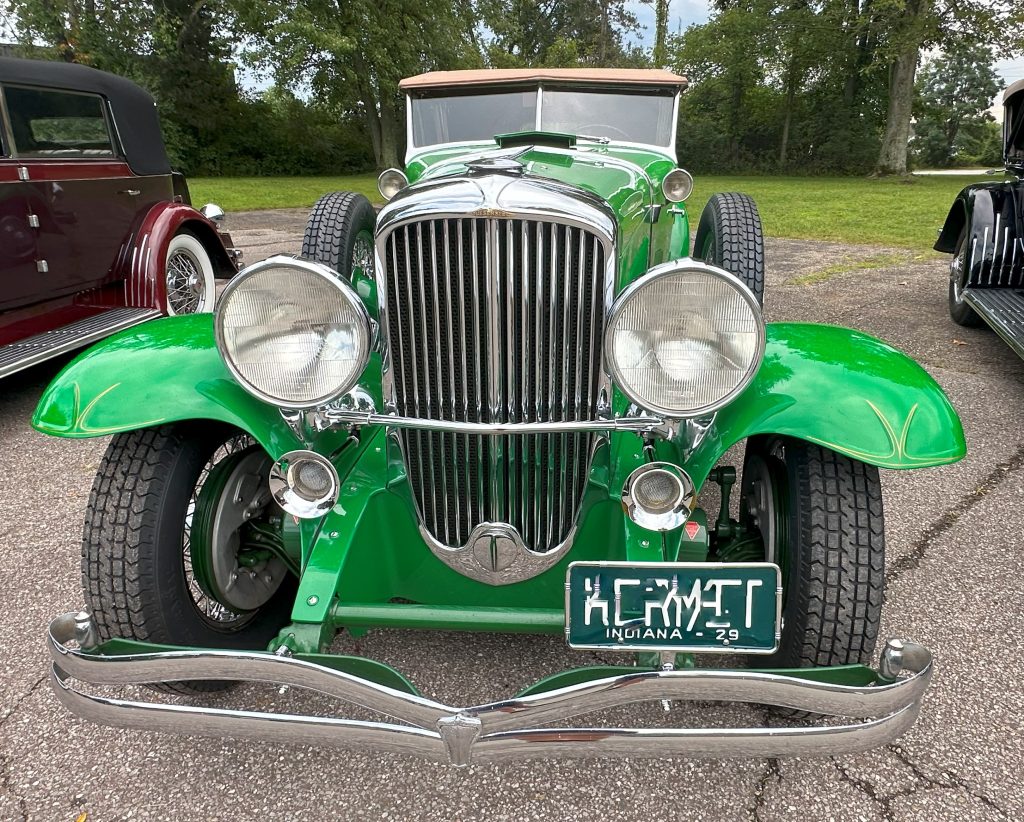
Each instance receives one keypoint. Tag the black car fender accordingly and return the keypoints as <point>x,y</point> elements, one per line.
<point>994,216</point>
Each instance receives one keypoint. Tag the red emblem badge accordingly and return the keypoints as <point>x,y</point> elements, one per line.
<point>692,528</point>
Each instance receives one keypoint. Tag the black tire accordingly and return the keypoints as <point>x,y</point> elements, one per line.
<point>960,311</point>
<point>133,569</point>
<point>339,226</point>
<point>729,235</point>
<point>830,542</point>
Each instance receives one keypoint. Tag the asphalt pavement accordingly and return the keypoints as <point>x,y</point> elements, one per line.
<point>955,550</point>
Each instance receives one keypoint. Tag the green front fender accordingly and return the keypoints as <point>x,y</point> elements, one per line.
<point>839,388</point>
<point>844,390</point>
<point>160,372</point>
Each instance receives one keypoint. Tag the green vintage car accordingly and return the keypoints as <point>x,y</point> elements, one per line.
<point>491,407</point>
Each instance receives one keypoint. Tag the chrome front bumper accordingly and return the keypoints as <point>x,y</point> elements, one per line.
<point>496,731</point>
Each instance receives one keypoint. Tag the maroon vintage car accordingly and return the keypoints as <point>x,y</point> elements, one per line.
<point>96,232</point>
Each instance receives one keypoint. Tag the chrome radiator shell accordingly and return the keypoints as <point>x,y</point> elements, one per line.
<point>493,293</point>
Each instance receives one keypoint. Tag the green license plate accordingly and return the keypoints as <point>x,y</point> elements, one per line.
<point>673,606</point>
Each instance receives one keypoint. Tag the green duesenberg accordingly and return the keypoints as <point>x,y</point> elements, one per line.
<point>491,407</point>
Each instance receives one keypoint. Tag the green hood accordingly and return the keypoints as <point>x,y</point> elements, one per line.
<point>628,179</point>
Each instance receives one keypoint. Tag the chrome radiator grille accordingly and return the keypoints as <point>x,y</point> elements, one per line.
<point>496,321</point>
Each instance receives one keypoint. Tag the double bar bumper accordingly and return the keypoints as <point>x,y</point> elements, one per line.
<point>515,728</point>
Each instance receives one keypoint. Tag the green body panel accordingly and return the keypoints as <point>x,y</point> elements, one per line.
<point>842,389</point>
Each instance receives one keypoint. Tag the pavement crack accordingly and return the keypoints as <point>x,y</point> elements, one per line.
<point>954,781</point>
<point>868,789</point>
<point>760,792</point>
<point>950,517</point>
<point>17,702</point>
<point>7,787</point>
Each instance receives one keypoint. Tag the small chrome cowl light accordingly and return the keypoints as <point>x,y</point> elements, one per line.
<point>304,484</point>
<point>677,185</point>
<point>659,496</point>
<point>292,332</point>
<point>390,182</point>
<point>212,211</point>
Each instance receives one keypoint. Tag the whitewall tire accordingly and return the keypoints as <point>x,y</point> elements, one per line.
<point>188,276</point>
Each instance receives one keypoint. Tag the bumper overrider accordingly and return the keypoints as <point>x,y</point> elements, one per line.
<point>516,728</point>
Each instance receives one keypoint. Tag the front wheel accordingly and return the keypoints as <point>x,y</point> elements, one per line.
<point>730,236</point>
<point>820,517</point>
<point>180,542</point>
<point>339,233</point>
<point>959,310</point>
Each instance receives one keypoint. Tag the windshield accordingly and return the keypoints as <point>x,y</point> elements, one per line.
<point>637,117</point>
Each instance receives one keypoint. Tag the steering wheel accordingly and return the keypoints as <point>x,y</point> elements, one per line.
<point>590,128</point>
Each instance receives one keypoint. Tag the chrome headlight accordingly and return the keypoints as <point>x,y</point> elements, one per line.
<point>684,339</point>
<point>292,332</point>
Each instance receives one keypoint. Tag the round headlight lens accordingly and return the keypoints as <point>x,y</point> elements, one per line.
<point>684,339</point>
<point>292,332</point>
<point>677,185</point>
<point>390,182</point>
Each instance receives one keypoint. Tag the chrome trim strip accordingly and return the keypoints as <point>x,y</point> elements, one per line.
<point>641,423</point>
<point>497,731</point>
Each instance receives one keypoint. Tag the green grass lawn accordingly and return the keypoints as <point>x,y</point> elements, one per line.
<point>847,209</point>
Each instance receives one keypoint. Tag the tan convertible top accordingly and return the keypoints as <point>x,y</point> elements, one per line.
<point>492,77</point>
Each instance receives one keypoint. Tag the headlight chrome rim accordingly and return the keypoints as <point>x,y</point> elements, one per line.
<point>390,182</point>
<point>329,276</point>
<point>653,275</point>
<point>670,178</point>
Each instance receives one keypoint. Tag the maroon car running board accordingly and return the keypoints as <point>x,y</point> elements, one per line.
<point>33,350</point>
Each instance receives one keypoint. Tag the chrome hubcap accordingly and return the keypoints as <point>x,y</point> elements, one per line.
<point>186,286</point>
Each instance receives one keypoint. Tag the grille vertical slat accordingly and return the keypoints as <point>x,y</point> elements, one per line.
<point>496,321</point>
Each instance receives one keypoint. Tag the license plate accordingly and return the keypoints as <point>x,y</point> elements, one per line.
<point>681,606</point>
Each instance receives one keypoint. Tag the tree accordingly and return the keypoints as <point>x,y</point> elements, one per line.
<point>954,93</point>
<point>660,55</point>
<point>527,33</point>
<point>906,27</point>
<point>184,60</point>
<point>352,53</point>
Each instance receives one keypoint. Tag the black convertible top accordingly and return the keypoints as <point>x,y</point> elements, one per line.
<point>134,109</point>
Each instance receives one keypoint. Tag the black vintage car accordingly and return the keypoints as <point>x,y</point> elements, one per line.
<point>985,234</point>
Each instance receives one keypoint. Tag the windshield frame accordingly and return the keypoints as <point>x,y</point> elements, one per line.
<point>412,150</point>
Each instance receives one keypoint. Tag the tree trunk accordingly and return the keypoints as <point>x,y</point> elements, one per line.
<point>892,159</point>
<point>389,134</point>
<point>660,57</point>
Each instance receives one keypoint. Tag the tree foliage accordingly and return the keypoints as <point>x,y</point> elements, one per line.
<point>352,53</point>
<point>816,86</point>
<point>954,92</point>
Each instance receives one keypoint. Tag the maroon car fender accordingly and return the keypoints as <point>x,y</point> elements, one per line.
<point>141,259</point>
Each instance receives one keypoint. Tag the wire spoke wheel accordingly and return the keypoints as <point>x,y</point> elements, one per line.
<point>186,286</point>
<point>362,253</point>
<point>201,586</point>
